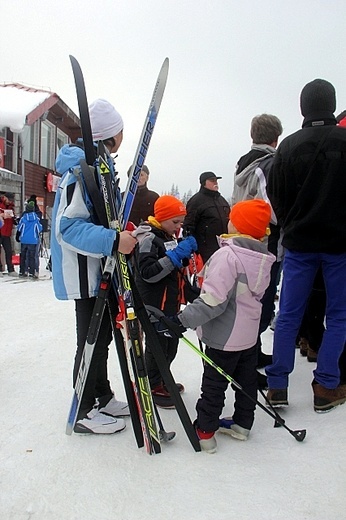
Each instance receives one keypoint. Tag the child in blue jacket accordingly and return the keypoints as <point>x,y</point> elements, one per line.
<point>28,234</point>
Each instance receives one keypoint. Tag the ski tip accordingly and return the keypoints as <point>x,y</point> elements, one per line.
<point>165,64</point>
<point>74,62</point>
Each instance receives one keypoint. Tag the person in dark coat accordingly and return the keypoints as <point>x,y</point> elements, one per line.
<point>143,204</point>
<point>207,215</point>
<point>307,189</point>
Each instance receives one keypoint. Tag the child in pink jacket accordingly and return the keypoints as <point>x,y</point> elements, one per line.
<point>226,315</point>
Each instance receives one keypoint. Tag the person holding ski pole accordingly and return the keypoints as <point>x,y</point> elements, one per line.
<point>77,246</point>
<point>158,264</point>
<point>227,314</point>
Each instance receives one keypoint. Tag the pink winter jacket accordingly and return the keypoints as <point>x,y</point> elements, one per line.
<point>228,310</point>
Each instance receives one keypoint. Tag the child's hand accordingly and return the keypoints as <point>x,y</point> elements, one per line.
<point>183,250</point>
<point>173,326</point>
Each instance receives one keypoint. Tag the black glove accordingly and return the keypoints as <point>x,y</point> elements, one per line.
<point>173,326</point>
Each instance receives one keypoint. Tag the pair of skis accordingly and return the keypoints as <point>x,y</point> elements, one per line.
<point>132,364</point>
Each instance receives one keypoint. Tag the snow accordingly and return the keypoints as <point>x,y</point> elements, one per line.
<point>46,474</point>
<point>16,104</point>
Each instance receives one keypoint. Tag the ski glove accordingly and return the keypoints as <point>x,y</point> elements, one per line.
<point>183,250</point>
<point>170,326</point>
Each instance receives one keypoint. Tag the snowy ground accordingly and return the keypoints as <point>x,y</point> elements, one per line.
<point>45,474</point>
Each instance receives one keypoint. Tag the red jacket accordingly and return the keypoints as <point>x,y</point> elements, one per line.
<point>6,230</point>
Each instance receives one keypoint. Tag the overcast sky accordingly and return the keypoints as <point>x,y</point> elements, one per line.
<point>229,60</point>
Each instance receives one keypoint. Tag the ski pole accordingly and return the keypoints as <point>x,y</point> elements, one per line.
<point>275,412</point>
<point>299,435</point>
<point>195,273</point>
<point>164,436</point>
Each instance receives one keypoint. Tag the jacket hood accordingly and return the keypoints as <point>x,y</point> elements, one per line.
<point>30,216</point>
<point>242,178</point>
<point>319,119</point>
<point>254,257</point>
<point>69,157</point>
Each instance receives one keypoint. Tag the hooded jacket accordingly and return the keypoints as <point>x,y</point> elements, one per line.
<point>158,281</point>
<point>29,228</point>
<point>77,244</point>
<point>250,182</point>
<point>228,310</point>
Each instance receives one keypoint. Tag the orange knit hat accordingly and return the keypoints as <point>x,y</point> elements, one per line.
<point>251,217</point>
<point>167,207</point>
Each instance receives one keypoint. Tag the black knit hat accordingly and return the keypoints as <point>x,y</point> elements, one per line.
<point>318,96</point>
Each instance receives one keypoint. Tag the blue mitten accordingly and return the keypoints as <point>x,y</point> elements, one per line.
<point>183,250</point>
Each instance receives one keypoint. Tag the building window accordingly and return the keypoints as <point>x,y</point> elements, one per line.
<point>61,139</point>
<point>29,141</point>
<point>47,145</point>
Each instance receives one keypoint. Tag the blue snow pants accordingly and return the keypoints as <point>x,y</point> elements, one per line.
<point>299,271</point>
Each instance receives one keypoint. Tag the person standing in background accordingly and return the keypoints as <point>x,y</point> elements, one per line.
<point>207,215</point>
<point>143,204</point>
<point>7,213</point>
<point>307,190</point>
<point>28,234</point>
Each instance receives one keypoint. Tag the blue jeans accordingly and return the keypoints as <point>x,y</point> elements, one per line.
<point>298,276</point>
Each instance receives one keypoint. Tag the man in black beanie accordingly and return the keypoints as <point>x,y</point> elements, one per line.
<point>307,189</point>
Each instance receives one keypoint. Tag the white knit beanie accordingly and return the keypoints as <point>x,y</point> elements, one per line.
<point>105,121</point>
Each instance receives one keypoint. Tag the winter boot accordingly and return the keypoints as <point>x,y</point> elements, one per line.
<point>113,408</point>
<point>96,422</point>
<point>303,346</point>
<point>326,399</point>
<point>311,355</point>
<point>207,441</point>
<point>162,398</point>
<point>180,387</point>
<point>228,426</point>
<point>277,397</point>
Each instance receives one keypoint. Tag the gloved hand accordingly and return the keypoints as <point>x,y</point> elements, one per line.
<point>170,326</point>
<point>183,250</point>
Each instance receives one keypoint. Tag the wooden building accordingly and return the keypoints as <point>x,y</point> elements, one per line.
<point>34,125</point>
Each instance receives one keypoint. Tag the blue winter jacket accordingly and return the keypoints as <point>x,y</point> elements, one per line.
<point>29,228</point>
<point>77,244</point>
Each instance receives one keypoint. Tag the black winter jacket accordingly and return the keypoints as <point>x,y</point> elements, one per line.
<point>207,217</point>
<point>158,281</point>
<point>310,203</point>
<point>143,205</point>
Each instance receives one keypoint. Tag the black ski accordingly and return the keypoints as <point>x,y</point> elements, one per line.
<point>105,297</point>
<point>104,217</point>
<point>128,319</point>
